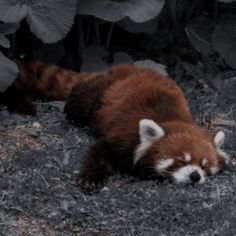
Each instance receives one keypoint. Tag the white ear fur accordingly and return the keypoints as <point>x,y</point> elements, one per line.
<point>149,131</point>
<point>219,139</point>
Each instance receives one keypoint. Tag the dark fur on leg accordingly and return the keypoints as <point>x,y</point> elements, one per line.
<point>96,168</point>
<point>85,99</point>
<point>17,100</point>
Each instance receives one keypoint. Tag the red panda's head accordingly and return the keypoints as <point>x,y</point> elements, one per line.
<point>184,152</point>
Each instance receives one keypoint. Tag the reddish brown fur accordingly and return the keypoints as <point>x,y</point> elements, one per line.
<point>38,80</point>
<point>194,139</point>
<point>49,81</point>
<point>113,102</point>
<point>116,102</point>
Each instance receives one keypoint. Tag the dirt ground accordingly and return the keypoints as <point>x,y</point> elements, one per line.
<point>40,158</point>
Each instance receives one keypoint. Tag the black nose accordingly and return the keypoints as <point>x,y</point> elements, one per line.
<point>195,176</point>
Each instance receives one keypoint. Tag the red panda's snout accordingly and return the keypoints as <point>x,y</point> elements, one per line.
<point>185,153</point>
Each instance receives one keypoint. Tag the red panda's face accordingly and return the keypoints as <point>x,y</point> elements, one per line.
<point>185,156</point>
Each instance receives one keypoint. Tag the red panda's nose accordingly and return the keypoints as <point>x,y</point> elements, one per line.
<point>195,176</point>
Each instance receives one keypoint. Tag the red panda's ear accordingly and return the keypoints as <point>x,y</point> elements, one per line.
<point>219,139</point>
<point>150,131</point>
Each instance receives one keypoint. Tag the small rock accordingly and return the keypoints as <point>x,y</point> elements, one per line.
<point>33,132</point>
<point>37,125</point>
<point>105,189</point>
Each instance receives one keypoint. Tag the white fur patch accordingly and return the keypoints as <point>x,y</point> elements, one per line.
<point>182,175</point>
<point>163,164</point>
<point>149,131</point>
<point>187,157</point>
<point>219,139</point>
<point>214,170</point>
<point>224,155</point>
<point>204,162</point>
<point>140,151</point>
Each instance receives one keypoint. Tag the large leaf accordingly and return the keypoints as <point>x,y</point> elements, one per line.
<point>6,29</point>
<point>199,32</point>
<point>149,27</point>
<point>226,1</point>
<point>49,20</point>
<point>94,59</point>
<point>8,72</point>
<point>224,40</point>
<point>113,11</point>
<point>4,42</point>
<point>122,58</point>
<point>152,65</point>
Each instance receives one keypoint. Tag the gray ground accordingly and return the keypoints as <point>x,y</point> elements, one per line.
<point>39,163</point>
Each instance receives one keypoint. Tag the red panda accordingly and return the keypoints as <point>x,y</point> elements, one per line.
<point>141,117</point>
<point>37,80</point>
<point>145,129</point>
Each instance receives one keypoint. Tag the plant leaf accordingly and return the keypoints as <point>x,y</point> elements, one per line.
<point>121,58</point>
<point>149,27</point>
<point>152,65</point>
<point>12,11</point>
<point>8,28</point>
<point>226,1</point>
<point>224,40</point>
<point>94,59</point>
<point>8,72</point>
<point>113,11</point>
<point>4,42</point>
<point>199,32</point>
<point>49,20</point>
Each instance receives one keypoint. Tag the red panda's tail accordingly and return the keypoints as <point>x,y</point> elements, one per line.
<point>37,80</point>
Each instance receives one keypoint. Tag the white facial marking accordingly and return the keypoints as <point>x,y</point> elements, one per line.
<point>187,157</point>
<point>219,139</point>
<point>224,155</point>
<point>204,162</point>
<point>140,151</point>
<point>149,131</point>
<point>214,170</point>
<point>163,164</point>
<point>182,175</point>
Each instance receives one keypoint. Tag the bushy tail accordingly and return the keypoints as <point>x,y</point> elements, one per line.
<point>37,80</point>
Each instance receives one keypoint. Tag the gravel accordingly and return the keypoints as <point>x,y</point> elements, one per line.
<point>40,158</point>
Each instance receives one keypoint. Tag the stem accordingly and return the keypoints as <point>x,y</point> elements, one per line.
<point>173,11</point>
<point>193,6</point>
<point>110,31</point>
<point>87,34</point>
<point>80,37</point>
<point>216,9</point>
<point>12,49</point>
<point>97,33</point>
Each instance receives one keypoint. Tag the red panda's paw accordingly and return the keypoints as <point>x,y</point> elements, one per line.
<point>96,168</point>
<point>28,109</point>
<point>89,182</point>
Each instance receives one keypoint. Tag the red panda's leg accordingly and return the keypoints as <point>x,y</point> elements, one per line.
<point>96,168</point>
<point>17,100</point>
<point>85,99</point>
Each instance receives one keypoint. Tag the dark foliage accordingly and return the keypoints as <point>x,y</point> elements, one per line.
<point>163,29</point>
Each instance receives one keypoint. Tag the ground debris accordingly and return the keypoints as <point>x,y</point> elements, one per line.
<point>38,194</point>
